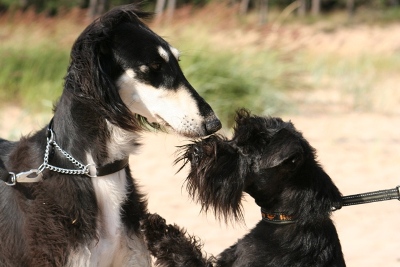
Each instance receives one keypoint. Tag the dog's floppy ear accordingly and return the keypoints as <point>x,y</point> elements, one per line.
<point>93,69</point>
<point>284,149</point>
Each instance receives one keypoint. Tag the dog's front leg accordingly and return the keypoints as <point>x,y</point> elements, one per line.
<point>227,257</point>
<point>171,246</point>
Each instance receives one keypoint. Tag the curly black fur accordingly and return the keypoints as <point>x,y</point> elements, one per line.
<point>272,162</point>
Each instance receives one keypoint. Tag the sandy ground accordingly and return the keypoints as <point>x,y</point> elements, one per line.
<point>361,153</point>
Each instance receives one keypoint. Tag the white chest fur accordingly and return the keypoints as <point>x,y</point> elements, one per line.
<point>110,193</point>
<point>114,247</point>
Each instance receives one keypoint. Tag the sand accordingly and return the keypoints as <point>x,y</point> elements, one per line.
<point>361,153</point>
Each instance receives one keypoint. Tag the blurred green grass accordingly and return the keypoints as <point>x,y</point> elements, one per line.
<point>32,76</point>
<point>369,81</point>
<point>258,75</point>
<point>229,81</point>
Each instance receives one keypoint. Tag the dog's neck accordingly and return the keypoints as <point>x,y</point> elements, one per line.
<point>276,217</point>
<point>90,137</point>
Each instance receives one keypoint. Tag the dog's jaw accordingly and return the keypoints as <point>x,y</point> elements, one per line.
<point>176,109</point>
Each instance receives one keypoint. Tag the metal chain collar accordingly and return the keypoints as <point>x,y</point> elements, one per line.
<point>36,175</point>
<point>83,169</point>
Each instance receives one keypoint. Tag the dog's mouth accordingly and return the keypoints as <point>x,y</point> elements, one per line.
<point>149,125</point>
<point>194,126</point>
<point>164,125</point>
<point>161,121</point>
<point>161,124</point>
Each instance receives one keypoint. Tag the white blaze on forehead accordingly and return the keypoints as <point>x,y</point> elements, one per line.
<point>163,53</point>
<point>175,52</point>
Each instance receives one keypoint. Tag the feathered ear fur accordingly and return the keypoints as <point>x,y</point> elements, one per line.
<point>285,149</point>
<point>315,196</point>
<point>309,191</point>
<point>93,69</point>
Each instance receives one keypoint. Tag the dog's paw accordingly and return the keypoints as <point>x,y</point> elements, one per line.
<point>153,227</point>
<point>156,222</point>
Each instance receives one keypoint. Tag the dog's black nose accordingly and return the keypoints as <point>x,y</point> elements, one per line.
<point>212,125</point>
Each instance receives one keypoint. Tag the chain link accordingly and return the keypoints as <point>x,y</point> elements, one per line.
<point>83,169</point>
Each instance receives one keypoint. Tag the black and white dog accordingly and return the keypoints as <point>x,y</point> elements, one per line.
<point>67,197</point>
<point>272,162</point>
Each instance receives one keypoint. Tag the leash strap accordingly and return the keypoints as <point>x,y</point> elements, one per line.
<point>376,196</point>
<point>357,199</point>
<point>5,176</point>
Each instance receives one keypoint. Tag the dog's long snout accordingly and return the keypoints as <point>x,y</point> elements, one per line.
<point>212,124</point>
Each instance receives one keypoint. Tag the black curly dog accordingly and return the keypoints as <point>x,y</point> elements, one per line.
<point>271,161</point>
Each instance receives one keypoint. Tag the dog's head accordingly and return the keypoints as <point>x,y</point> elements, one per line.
<point>128,72</point>
<point>267,158</point>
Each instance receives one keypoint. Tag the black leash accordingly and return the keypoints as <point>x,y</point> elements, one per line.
<point>4,175</point>
<point>369,197</point>
<point>357,199</point>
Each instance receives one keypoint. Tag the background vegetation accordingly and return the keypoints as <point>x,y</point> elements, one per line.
<point>52,7</point>
<point>230,58</point>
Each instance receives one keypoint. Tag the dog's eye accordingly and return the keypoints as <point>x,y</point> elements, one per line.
<point>156,66</point>
<point>293,161</point>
